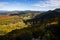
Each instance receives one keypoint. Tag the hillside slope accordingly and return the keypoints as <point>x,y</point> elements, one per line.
<point>45,26</point>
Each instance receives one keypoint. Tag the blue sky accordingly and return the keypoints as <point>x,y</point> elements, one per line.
<point>37,5</point>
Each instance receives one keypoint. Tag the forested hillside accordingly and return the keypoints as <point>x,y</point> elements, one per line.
<point>45,26</point>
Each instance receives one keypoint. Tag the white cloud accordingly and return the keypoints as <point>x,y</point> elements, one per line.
<point>50,4</point>
<point>3,3</point>
<point>11,6</point>
<point>41,5</point>
<point>54,2</point>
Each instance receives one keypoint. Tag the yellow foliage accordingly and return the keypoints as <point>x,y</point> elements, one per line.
<point>11,23</point>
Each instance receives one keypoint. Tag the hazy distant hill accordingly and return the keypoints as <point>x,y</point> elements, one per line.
<point>13,13</point>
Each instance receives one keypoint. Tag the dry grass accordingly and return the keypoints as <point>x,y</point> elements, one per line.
<point>9,23</point>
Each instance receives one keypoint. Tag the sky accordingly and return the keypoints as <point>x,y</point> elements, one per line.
<point>35,5</point>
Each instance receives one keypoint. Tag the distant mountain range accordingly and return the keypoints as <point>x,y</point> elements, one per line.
<point>18,13</point>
